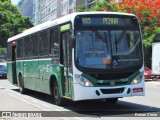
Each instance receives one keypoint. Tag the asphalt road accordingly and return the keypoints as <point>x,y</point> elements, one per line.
<point>132,107</point>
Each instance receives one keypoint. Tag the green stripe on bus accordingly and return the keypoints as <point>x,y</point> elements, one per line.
<point>65,27</point>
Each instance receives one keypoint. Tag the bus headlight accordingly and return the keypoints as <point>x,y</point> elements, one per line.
<point>83,81</point>
<point>138,78</point>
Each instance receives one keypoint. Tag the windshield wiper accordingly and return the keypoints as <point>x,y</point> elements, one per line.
<point>100,36</point>
<point>116,42</point>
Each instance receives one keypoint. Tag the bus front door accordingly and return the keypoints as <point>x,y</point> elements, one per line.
<point>66,64</point>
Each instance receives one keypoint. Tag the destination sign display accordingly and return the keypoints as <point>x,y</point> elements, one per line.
<point>128,21</point>
<point>100,21</point>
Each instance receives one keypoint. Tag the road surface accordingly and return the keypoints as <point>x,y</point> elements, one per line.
<point>43,105</point>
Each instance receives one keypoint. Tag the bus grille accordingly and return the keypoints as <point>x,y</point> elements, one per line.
<point>111,76</point>
<point>116,83</point>
<point>112,91</point>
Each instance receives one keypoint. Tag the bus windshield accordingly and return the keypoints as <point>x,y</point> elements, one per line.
<point>108,49</point>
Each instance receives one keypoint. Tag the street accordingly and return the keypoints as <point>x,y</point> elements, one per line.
<point>12,100</point>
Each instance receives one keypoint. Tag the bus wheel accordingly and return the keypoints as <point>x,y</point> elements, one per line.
<point>111,100</point>
<point>56,94</point>
<point>21,85</point>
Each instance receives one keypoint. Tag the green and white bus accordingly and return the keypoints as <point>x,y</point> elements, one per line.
<point>81,56</point>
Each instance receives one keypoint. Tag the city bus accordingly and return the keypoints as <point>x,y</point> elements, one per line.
<point>81,56</point>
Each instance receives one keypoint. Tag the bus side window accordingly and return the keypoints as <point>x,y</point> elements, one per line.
<point>34,45</point>
<point>27,47</point>
<point>44,43</point>
<point>20,49</point>
<point>54,43</point>
<point>9,51</point>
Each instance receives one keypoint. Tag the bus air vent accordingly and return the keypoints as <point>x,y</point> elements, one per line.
<point>112,91</point>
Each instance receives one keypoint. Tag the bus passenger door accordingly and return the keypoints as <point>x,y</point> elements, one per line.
<point>66,64</point>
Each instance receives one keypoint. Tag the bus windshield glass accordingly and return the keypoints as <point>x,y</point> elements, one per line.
<point>108,49</point>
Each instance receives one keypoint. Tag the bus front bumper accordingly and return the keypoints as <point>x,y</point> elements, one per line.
<point>90,93</point>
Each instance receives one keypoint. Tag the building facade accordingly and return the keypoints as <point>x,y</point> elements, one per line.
<point>70,6</point>
<point>45,10</point>
<point>26,9</point>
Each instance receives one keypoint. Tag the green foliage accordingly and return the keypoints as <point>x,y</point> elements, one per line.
<point>157,30</point>
<point>3,50</point>
<point>81,8</point>
<point>151,37</point>
<point>148,41</point>
<point>3,53</point>
<point>105,5</point>
<point>11,22</point>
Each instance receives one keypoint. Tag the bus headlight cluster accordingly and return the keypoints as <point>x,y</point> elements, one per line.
<point>138,78</point>
<point>83,81</point>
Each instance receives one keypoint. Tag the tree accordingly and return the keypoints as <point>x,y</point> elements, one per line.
<point>11,22</point>
<point>105,5</point>
<point>81,8</point>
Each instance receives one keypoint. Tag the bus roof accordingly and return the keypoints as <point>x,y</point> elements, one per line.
<point>58,21</point>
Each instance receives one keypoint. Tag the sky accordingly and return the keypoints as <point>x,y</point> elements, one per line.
<point>15,1</point>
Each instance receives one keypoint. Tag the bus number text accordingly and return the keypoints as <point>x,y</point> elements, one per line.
<point>86,20</point>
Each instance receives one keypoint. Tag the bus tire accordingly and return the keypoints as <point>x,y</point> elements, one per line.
<point>22,90</point>
<point>56,94</point>
<point>111,100</point>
